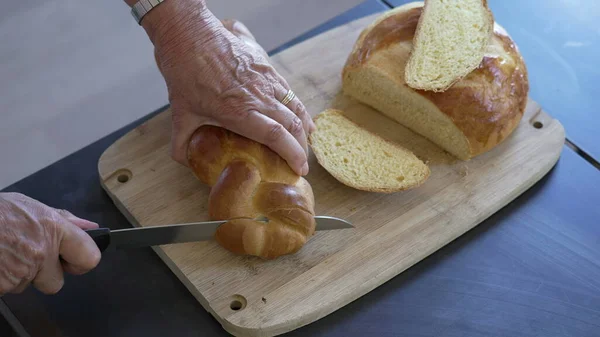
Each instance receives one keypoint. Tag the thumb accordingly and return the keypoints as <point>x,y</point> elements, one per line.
<point>184,124</point>
<point>79,251</point>
<point>79,222</point>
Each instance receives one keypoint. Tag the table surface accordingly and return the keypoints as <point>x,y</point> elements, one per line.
<point>532,269</point>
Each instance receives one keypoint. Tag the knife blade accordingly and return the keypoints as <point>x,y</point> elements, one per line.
<point>137,237</point>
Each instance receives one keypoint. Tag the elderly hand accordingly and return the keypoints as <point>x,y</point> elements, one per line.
<point>32,236</point>
<point>217,74</point>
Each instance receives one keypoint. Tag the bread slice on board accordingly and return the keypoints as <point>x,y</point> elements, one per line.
<point>361,159</point>
<point>450,41</point>
<point>470,118</point>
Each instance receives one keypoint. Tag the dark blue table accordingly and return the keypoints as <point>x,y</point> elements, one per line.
<point>532,269</point>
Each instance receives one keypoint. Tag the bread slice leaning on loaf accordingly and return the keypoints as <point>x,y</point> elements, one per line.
<point>361,159</point>
<point>471,117</point>
<point>449,43</point>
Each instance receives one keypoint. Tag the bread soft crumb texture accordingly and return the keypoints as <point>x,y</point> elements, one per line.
<point>450,41</point>
<point>471,117</point>
<point>361,159</point>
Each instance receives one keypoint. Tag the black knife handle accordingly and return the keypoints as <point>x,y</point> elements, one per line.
<point>101,237</point>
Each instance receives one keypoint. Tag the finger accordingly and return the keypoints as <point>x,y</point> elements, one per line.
<point>292,123</point>
<point>18,270</point>
<point>296,107</point>
<point>79,222</point>
<point>21,275</point>
<point>5,286</point>
<point>21,287</point>
<point>8,281</point>
<point>286,117</point>
<point>72,269</point>
<point>49,279</point>
<point>79,250</point>
<point>267,131</point>
<point>83,224</point>
<point>183,125</point>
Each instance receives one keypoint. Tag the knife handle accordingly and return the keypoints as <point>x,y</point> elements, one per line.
<point>101,237</point>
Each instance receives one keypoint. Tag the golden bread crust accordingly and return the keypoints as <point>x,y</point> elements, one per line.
<point>486,106</point>
<point>248,180</point>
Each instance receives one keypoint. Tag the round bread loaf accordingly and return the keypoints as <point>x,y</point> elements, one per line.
<point>471,117</point>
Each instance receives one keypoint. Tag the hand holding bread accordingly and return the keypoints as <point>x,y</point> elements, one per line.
<point>216,74</point>
<point>250,149</point>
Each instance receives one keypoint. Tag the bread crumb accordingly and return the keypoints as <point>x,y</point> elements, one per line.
<point>386,167</point>
<point>264,300</point>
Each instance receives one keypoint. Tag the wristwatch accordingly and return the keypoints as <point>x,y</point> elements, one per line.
<point>142,8</point>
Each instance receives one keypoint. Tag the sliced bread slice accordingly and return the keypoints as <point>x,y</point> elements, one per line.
<point>450,41</point>
<point>361,159</point>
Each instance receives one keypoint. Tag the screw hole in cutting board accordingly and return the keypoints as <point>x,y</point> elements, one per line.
<point>238,303</point>
<point>235,305</point>
<point>123,175</point>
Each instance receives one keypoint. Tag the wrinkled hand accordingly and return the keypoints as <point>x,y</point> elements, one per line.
<point>217,74</point>
<point>32,236</point>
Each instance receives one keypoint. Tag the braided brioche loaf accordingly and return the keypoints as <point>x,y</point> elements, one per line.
<point>248,180</point>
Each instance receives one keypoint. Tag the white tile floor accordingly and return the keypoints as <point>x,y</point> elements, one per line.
<point>72,71</point>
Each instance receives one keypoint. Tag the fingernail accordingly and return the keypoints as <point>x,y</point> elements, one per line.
<point>305,169</point>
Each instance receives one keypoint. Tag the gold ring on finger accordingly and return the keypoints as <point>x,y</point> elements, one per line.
<point>288,97</point>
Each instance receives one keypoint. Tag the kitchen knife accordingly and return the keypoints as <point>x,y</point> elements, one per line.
<point>180,233</point>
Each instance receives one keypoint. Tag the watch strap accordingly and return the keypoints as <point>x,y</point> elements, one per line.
<point>142,7</point>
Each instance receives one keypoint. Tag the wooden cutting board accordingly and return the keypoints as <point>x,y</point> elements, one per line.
<point>251,297</point>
